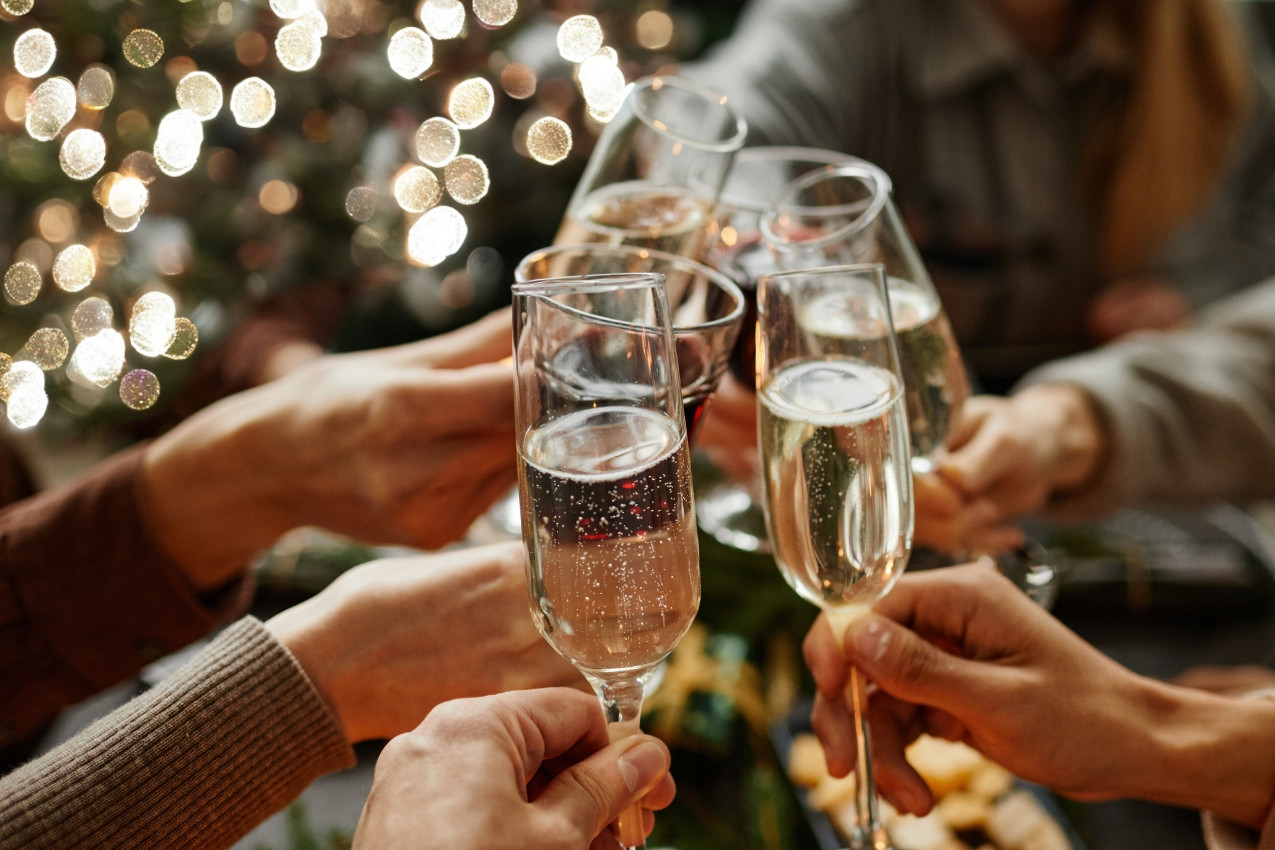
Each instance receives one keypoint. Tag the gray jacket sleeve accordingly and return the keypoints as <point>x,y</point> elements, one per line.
<point>1191,413</point>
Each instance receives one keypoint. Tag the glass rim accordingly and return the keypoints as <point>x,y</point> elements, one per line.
<point>819,159</point>
<point>722,280</point>
<point>545,288</point>
<point>861,221</point>
<point>729,144</point>
<point>878,270</point>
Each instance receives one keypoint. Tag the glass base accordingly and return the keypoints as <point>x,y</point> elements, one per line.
<point>728,512</point>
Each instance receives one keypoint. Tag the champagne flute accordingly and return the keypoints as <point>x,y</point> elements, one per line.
<point>604,476</point>
<point>637,188</point>
<point>835,460</point>
<point>729,508</point>
<point>844,214</point>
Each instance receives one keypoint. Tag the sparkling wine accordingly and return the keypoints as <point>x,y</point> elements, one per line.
<point>934,380</point>
<point>837,486</point>
<point>610,529</point>
<point>640,214</point>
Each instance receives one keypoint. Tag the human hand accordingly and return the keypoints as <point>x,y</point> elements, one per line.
<point>946,522</point>
<point>403,445</point>
<point>389,640</point>
<point>960,653</point>
<point>1230,680</point>
<point>1142,303</point>
<point>531,770</point>
<point>1009,456</point>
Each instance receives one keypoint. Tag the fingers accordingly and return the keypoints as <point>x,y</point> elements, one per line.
<point>825,658</point>
<point>895,726</point>
<point>833,725</point>
<point>597,789</point>
<point>487,340</point>
<point>475,398</point>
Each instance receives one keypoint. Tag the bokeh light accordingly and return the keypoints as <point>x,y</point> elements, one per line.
<point>579,38</point>
<point>17,8</point>
<point>518,81</point>
<point>471,102</point>
<point>436,235</point>
<point>21,375</point>
<point>298,46</point>
<point>252,102</point>
<point>602,83</point>
<point>178,142</point>
<point>96,87</point>
<point>34,52</point>
<point>495,13</point>
<point>549,140</point>
<point>47,348</point>
<point>143,48</point>
<point>290,9</point>
<point>654,29</point>
<point>153,324</point>
<point>22,282</point>
<point>360,203</point>
<point>466,179</point>
<point>83,154</point>
<point>127,197</point>
<point>278,197</point>
<point>184,340</point>
<point>417,189</point>
<point>437,142</point>
<point>411,52</point>
<point>139,389</point>
<point>50,108</point>
<point>200,92</point>
<point>74,268</point>
<point>91,316</point>
<point>99,359</point>
<point>442,19</point>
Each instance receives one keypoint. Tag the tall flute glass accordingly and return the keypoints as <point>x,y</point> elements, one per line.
<point>604,475</point>
<point>637,188</point>
<point>844,214</point>
<point>835,459</point>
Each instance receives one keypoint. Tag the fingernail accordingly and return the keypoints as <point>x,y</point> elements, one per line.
<point>642,765</point>
<point>870,640</point>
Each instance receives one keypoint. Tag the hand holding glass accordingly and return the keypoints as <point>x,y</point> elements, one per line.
<point>605,484</point>
<point>836,472</point>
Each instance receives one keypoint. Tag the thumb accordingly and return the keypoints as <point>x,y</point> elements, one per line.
<point>592,793</point>
<point>906,666</point>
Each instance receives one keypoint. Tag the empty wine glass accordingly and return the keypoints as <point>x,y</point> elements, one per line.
<point>637,188</point>
<point>604,473</point>
<point>835,459</point>
<point>729,508</point>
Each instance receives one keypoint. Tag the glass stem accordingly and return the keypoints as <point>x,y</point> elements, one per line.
<point>622,705</point>
<point>867,817</point>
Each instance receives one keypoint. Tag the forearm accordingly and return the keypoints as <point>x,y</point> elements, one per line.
<point>1207,752</point>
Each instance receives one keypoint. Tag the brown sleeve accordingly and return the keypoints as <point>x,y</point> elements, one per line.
<point>86,598</point>
<point>195,763</point>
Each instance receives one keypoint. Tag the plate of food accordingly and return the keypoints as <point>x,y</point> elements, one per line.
<point>979,804</point>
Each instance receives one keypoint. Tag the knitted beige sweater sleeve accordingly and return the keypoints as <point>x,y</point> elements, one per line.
<point>194,764</point>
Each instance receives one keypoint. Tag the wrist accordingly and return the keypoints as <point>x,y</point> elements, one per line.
<point>1208,752</point>
<point>1081,442</point>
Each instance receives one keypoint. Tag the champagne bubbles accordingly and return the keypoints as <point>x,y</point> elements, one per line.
<point>549,141</point>
<point>471,102</point>
<point>50,108</point>
<point>22,282</point>
<point>291,9</point>
<point>47,348</point>
<point>33,53</point>
<point>184,340</point>
<point>96,87</point>
<point>17,8</point>
<point>466,179</point>
<point>153,324</point>
<point>139,389</point>
<point>91,316</point>
<point>178,141</point>
<point>443,19</point>
<point>411,52</point>
<point>74,267</point>
<point>22,388</point>
<point>437,141</point>
<point>99,359</point>
<point>200,93</point>
<point>495,13</point>
<point>252,103</point>
<point>298,46</point>
<point>579,38</point>
<point>360,203</point>
<point>417,189</point>
<point>127,197</point>
<point>602,83</point>
<point>143,48</point>
<point>83,154</point>
<point>436,235</point>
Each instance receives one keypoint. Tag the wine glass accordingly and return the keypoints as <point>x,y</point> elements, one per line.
<point>707,310</point>
<point>729,508</point>
<point>844,214</point>
<point>637,188</point>
<point>836,473</point>
<point>604,474</point>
